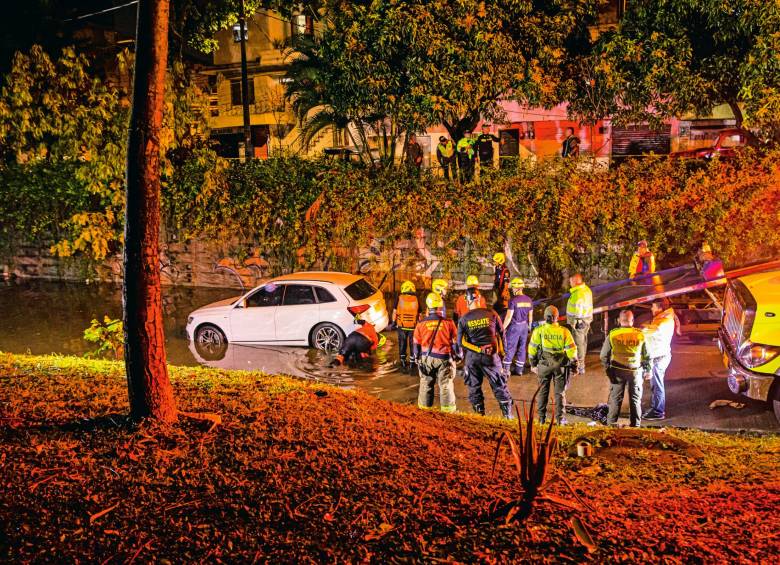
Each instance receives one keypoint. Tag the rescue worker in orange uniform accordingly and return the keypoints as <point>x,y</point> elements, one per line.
<point>642,262</point>
<point>360,343</point>
<point>461,306</point>
<point>500,284</point>
<point>405,315</point>
<point>436,348</point>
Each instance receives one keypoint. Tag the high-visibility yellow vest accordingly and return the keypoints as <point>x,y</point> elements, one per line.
<point>554,339</point>
<point>580,304</point>
<point>446,149</point>
<point>628,347</point>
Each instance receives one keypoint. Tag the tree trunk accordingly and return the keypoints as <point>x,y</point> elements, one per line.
<point>735,109</point>
<point>151,394</point>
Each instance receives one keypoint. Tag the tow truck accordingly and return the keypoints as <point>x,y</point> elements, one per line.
<point>747,320</point>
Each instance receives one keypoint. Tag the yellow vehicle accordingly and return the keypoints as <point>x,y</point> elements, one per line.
<point>749,336</point>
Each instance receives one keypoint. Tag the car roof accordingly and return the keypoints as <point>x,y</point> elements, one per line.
<point>343,279</point>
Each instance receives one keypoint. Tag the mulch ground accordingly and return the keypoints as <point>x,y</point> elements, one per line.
<point>300,472</point>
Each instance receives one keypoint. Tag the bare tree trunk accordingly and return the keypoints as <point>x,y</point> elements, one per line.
<point>151,394</point>
<point>737,111</point>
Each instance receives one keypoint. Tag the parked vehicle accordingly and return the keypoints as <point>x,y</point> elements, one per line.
<point>749,336</point>
<point>728,143</point>
<point>315,309</point>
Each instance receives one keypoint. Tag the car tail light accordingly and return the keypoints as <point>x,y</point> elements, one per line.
<point>357,310</point>
<point>756,354</point>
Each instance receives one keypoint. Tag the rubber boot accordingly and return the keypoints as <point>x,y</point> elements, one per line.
<point>403,364</point>
<point>518,370</point>
<point>479,409</point>
<point>507,410</point>
<point>412,365</point>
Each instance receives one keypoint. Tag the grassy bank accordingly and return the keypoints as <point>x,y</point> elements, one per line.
<point>299,471</point>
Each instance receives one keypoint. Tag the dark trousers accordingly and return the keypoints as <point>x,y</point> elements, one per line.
<point>449,165</point>
<point>619,380</point>
<point>556,376</point>
<point>515,346</point>
<point>354,345</point>
<point>476,368</point>
<point>466,167</point>
<point>405,343</point>
<point>579,331</point>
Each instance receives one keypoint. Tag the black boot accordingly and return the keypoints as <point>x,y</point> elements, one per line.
<point>507,410</point>
<point>403,364</point>
<point>479,408</point>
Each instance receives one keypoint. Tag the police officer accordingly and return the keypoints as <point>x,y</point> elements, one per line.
<point>445,153</point>
<point>500,283</point>
<point>461,306</point>
<point>436,348</point>
<point>551,353</point>
<point>518,319</point>
<point>579,315</point>
<point>624,356</point>
<point>465,149</point>
<point>481,335</point>
<point>485,147</point>
<point>405,315</point>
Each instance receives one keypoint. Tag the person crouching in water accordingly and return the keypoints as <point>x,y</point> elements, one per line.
<point>405,315</point>
<point>436,348</point>
<point>359,344</point>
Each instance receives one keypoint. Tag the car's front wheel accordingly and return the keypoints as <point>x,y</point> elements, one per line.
<point>327,337</point>
<point>210,342</point>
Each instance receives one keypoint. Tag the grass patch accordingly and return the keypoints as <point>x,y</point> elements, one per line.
<point>301,471</point>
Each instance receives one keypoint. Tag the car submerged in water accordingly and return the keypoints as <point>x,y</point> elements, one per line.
<point>314,309</point>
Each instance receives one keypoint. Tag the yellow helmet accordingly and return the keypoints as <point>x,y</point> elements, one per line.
<point>517,282</point>
<point>408,286</point>
<point>434,301</point>
<point>499,258</point>
<point>439,286</point>
<point>472,280</point>
<point>705,248</point>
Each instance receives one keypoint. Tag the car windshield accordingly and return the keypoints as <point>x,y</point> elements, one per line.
<point>360,289</point>
<point>734,140</point>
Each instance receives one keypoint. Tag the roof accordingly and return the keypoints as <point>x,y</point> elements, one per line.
<point>334,277</point>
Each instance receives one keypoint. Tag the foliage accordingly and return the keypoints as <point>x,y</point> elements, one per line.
<point>108,335</point>
<point>294,456</point>
<point>63,153</point>
<point>672,57</point>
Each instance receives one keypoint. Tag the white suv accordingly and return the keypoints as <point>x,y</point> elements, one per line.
<point>316,309</point>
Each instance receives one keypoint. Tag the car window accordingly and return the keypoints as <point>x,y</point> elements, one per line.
<point>269,295</point>
<point>732,141</point>
<point>323,295</point>
<point>360,289</point>
<point>297,294</point>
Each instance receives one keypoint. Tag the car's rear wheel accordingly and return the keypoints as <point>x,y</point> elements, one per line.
<point>327,337</point>
<point>210,342</point>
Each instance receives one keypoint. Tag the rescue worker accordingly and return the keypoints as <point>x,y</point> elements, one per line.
<point>624,357</point>
<point>481,336</point>
<point>405,315</point>
<point>440,286</point>
<point>579,315</point>
<point>465,150</point>
<point>658,336</point>
<point>571,145</point>
<point>445,153</point>
<point>461,306</point>
<point>484,144</point>
<point>436,348</point>
<point>709,266</point>
<point>414,154</point>
<point>500,283</point>
<point>519,316</point>
<point>551,353</point>
<point>642,262</point>
<point>359,344</point>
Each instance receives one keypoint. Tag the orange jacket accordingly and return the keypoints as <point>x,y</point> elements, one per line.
<point>406,311</point>
<point>443,342</point>
<point>369,331</point>
<point>462,307</point>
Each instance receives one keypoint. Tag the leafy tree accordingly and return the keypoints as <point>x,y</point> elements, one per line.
<point>671,57</point>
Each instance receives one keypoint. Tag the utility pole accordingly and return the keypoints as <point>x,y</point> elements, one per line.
<point>248,151</point>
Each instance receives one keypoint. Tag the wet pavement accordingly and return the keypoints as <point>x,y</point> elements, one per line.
<point>42,318</point>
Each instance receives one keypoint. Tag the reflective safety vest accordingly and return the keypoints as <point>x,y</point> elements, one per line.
<point>466,144</point>
<point>626,349</point>
<point>641,264</point>
<point>446,149</point>
<point>551,342</point>
<point>406,311</point>
<point>580,304</point>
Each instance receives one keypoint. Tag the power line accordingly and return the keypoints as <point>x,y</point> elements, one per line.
<point>84,16</point>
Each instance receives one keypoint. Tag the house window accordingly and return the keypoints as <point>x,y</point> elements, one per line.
<point>302,25</point>
<point>235,91</point>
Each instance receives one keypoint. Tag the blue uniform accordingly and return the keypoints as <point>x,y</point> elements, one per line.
<point>516,333</point>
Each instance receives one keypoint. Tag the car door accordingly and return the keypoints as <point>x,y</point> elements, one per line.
<point>298,314</point>
<point>253,320</point>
